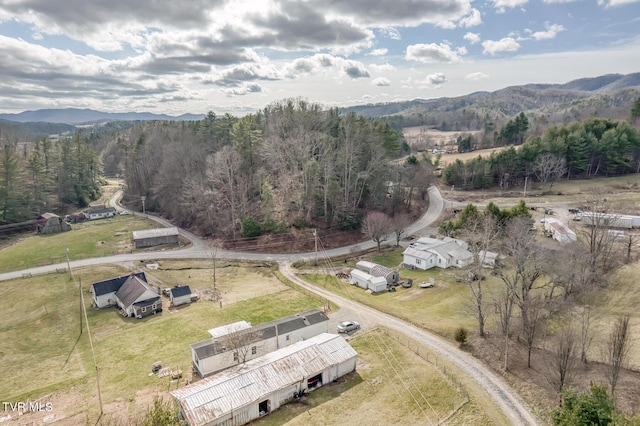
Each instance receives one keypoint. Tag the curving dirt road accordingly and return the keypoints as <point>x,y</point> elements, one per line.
<point>512,407</point>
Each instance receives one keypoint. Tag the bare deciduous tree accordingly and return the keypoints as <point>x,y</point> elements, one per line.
<point>535,312</point>
<point>585,333</point>
<point>399,223</point>
<point>241,342</point>
<point>527,261</point>
<point>603,253</point>
<point>376,225</point>
<point>617,350</point>
<point>561,361</point>
<point>503,304</point>
<point>481,232</point>
<point>549,168</point>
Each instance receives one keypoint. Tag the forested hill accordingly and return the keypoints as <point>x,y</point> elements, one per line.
<point>607,96</point>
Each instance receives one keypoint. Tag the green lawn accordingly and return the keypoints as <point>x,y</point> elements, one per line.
<point>86,240</point>
<point>41,351</point>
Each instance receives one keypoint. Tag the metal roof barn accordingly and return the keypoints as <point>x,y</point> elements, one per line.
<point>155,237</point>
<point>250,390</point>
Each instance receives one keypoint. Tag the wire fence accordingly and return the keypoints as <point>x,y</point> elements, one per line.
<point>443,366</point>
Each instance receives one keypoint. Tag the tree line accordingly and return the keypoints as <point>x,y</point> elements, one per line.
<point>586,149</point>
<point>48,175</point>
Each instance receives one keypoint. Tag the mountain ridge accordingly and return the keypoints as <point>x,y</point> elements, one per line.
<point>79,116</point>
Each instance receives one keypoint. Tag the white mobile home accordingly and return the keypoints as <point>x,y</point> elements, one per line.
<point>243,344</point>
<point>246,392</point>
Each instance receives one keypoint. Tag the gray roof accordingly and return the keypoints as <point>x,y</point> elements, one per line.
<point>212,398</point>
<point>180,291</point>
<point>132,288</point>
<point>112,285</point>
<point>262,331</point>
<point>158,232</point>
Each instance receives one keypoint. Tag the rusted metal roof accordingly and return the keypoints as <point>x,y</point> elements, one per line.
<point>204,401</point>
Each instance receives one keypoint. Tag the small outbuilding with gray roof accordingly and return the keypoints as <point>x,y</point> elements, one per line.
<point>155,237</point>
<point>180,295</point>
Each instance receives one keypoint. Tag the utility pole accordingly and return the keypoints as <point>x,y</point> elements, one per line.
<point>315,237</point>
<point>95,363</point>
<point>79,286</point>
<point>524,195</point>
<point>143,198</point>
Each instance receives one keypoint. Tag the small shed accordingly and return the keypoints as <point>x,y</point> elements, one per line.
<point>180,295</point>
<point>155,237</point>
<point>365,266</point>
<point>360,278</point>
<point>377,284</point>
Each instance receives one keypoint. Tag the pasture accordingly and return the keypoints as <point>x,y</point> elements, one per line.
<point>86,240</point>
<point>43,352</point>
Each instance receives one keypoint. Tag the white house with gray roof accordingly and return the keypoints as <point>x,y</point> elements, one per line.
<point>131,293</point>
<point>428,253</point>
<point>246,392</point>
<point>238,344</point>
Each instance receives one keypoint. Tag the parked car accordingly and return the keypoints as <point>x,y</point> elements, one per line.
<point>425,284</point>
<point>348,326</point>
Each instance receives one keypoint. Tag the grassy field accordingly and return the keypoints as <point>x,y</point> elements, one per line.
<point>43,352</point>
<point>441,309</point>
<point>86,240</point>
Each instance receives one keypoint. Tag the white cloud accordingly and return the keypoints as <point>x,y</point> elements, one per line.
<point>614,3</point>
<point>382,67</point>
<point>432,53</point>
<point>506,44</point>
<point>390,32</point>
<point>502,5</point>
<point>243,90</point>
<point>551,32</point>
<point>472,38</point>
<point>436,79</point>
<point>560,1</point>
<point>381,82</point>
<point>475,76</point>
<point>471,20</point>
<point>379,52</point>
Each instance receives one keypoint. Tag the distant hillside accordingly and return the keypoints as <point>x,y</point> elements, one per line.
<point>11,131</point>
<point>89,116</point>
<point>607,96</point>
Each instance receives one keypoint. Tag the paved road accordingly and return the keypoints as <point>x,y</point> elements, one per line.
<point>512,407</point>
<point>198,248</point>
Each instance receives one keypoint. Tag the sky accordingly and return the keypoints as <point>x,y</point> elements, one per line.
<point>238,56</point>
